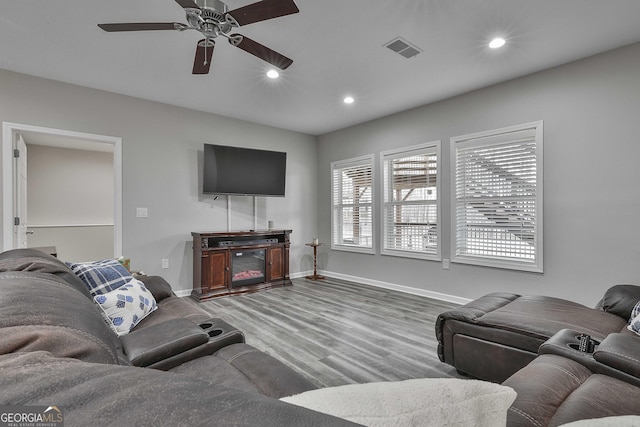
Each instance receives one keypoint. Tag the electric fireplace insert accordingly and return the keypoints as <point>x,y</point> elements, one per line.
<point>248,267</point>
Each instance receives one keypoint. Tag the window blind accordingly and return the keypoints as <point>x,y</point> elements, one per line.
<point>497,197</point>
<point>352,199</point>
<point>410,201</point>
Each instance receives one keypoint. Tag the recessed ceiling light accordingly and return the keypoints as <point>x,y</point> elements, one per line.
<point>348,100</point>
<point>497,42</point>
<point>273,74</point>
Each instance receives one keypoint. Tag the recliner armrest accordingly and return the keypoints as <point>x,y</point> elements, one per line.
<point>620,351</point>
<point>471,311</point>
<point>620,299</point>
<point>161,341</point>
<point>158,287</point>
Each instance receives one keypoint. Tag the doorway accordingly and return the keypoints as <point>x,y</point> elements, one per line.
<point>48,143</point>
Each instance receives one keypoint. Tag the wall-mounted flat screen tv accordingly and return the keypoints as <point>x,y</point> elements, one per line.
<point>243,171</point>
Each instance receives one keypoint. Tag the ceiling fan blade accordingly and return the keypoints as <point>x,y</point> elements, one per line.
<point>261,51</point>
<point>140,26</point>
<point>260,11</point>
<point>188,4</point>
<point>204,52</point>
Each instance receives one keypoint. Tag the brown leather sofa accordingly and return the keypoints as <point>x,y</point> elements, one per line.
<point>178,366</point>
<point>494,336</point>
<point>532,344</point>
<point>563,385</point>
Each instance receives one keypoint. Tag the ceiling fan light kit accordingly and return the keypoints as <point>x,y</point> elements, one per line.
<point>212,19</point>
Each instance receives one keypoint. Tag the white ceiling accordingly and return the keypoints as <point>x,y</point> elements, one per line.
<point>336,45</point>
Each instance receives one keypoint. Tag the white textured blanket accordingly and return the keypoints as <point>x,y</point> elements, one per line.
<point>418,402</point>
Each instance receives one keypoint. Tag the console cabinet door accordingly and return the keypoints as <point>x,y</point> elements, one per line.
<point>276,263</point>
<point>214,270</point>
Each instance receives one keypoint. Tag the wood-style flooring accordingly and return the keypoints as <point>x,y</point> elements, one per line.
<point>335,332</point>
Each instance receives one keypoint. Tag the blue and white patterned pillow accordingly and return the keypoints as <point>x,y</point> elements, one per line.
<point>634,323</point>
<point>126,306</point>
<point>101,277</point>
<point>635,311</point>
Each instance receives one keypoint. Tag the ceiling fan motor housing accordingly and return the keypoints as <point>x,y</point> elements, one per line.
<point>210,18</point>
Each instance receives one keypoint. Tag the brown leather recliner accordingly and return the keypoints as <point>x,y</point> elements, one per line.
<point>565,384</point>
<point>496,335</point>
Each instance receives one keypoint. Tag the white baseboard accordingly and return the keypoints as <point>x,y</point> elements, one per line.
<point>400,288</point>
<point>183,292</point>
<point>376,283</point>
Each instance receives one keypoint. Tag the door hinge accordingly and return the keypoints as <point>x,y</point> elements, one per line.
<point>16,220</point>
<point>16,153</point>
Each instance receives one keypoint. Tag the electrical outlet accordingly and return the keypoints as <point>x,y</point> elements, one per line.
<point>165,263</point>
<point>141,212</point>
<point>445,263</point>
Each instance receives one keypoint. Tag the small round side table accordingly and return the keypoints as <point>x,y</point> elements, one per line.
<point>315,262</point>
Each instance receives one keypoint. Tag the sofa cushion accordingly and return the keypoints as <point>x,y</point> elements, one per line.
<point>126,306</point>
<point>620,300</point>
<point>416,402</point>
<point>101,277</point>
<point>40,262</point>
<point>621,399</point>
<point>243,366</point>
<point>554,390</point>
<point>93,394</point>
<point>42,312</point>
<point>543,316</point>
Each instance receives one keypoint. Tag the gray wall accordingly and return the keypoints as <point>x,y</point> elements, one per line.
<point>591,114</point>
<point>162,147</point>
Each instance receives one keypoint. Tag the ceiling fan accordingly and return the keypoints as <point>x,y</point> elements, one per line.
<point>212,18</point>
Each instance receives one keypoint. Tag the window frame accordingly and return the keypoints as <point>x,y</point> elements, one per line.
<point>429,148</point>
<point>366,160</point>
<point>493,138</point>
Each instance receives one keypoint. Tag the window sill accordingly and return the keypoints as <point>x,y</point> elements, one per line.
<point>412,254</point>
<point>497,263</point>
<point>357,249</point>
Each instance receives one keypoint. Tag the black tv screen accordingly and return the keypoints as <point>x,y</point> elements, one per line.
<point>243,171</point>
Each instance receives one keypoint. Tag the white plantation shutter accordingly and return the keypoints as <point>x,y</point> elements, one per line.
<point>497,196</point>
<point>410,201</point>
<point>352,201</point>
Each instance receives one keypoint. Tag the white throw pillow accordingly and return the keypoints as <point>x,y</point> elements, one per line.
<point>126,306</point>
<point>418,402</point>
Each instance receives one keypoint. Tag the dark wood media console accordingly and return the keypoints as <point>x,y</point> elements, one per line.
<point>229,263</point>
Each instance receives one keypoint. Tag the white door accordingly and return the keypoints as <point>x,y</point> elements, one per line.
<point>20,193</point>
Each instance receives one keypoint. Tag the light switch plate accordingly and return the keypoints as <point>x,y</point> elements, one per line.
<point>141,212</point>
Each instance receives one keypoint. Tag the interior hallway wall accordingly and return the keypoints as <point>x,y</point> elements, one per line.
<point>162,153</point>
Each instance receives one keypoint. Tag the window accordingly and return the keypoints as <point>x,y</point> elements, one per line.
<point>497,198</point>
<point>352,201</point>
<point>410,211</point>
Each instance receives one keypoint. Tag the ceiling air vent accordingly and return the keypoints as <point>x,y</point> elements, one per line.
<point>403,47</point>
